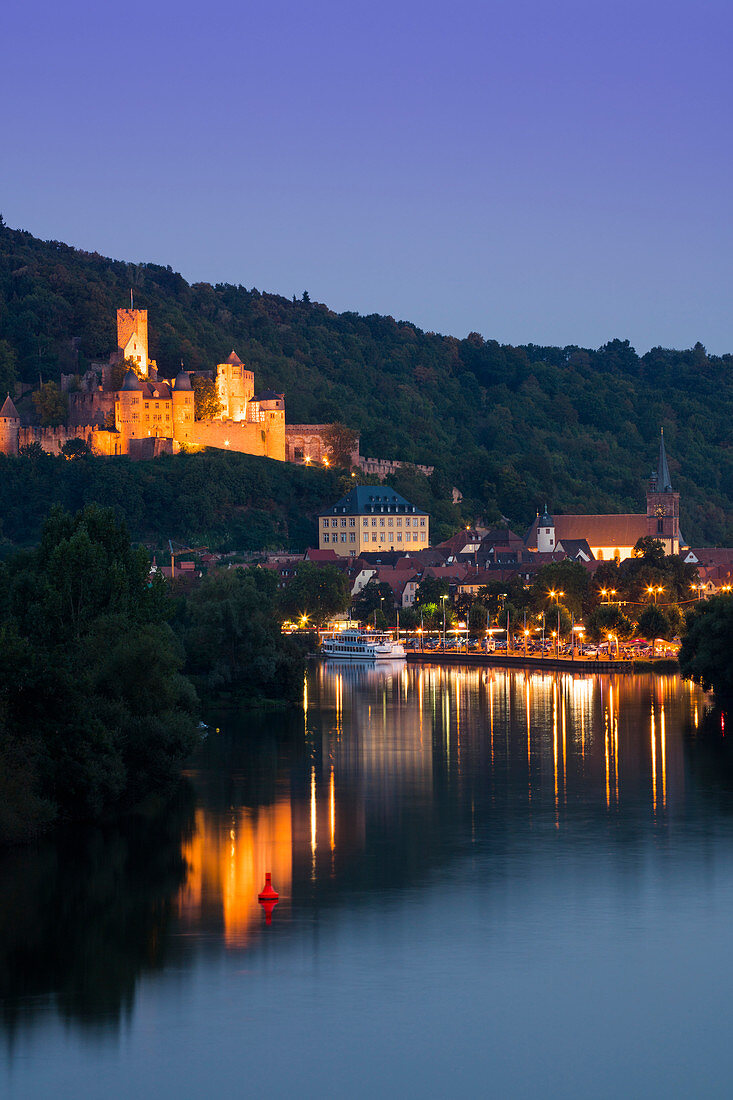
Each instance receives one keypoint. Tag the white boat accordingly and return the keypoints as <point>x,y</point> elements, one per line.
<point>361,645</point>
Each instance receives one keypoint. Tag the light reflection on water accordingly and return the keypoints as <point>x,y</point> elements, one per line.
<point>526,870</point>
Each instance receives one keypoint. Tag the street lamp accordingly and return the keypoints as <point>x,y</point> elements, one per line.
<point>442,601</point>
<point>655,589</point>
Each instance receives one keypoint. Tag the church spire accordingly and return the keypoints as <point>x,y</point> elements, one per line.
<point>664,482</point>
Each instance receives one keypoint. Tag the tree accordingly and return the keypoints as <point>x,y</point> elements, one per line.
<point>90,672</point>
<point>373,597</point>
<point>8,368</point>
<point>52,406</point>
<point>207,405</point>
<point>342,442</point>
<point>318,591</point>
<point>568,577</point>
<point>429,591</point>
<point>233,638</point>
<point>706,654</point>
<point>656,622</point>
<point>608,619</point>
<point>75,448</point>
<point>120,369</point>
<point>651,550</point>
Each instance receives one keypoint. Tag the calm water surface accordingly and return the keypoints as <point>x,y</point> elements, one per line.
<point>518,884</point>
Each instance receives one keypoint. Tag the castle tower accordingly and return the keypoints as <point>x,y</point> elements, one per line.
<point>9,428</point>
<point>663,505</point>
<point>235,386</point>
<point>545,529</point>
<point>129,410</point>
<point>183,408</point>
<point>132,336</point>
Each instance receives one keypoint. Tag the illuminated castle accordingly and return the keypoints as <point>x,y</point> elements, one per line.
<point>123,407</point>
<point>144,415</point>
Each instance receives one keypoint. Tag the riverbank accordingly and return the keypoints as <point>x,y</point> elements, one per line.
<point>518,660</point>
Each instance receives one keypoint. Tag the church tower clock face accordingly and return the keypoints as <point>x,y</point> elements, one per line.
<point>659,510</point>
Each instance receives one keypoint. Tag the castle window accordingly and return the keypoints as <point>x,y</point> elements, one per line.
<point>660,526</point>
<point>407,521</point>
<point>374,522</point>
<point>391,536</point>
<point>399,536</point>
<point>390,522</point>
<point>343,537</point>
<point>352,523</point>
<point>374,536</point>
<point>343,522</point>
<point>381,523</point>
<point>399,522</point>
<point>422,522</point>
<point>381,536</point>
<point>352,536</point>
<point>366,522</point>
<point>326,536</point>
<point>422,536</point>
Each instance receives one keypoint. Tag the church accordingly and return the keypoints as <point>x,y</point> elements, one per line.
<point>613,537</point>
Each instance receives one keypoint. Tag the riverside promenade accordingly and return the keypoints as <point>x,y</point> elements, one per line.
<point>519,660</point>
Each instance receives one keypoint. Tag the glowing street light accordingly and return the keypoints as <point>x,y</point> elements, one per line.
<point>442,603</point>
<point>655,589</point>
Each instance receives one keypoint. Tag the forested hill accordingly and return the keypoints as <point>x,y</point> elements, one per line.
<point>513,427</point>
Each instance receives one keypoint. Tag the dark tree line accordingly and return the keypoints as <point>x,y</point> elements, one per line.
<point>511,426</point>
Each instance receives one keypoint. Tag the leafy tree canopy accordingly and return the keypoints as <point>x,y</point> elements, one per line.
<point>706,654</point>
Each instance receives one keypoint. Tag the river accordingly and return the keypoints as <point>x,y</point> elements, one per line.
<point>493,882</point>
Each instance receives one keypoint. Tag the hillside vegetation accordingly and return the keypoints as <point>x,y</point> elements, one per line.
<point>513,427</point>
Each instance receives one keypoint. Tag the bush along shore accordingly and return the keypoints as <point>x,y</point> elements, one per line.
<point>101,672</point>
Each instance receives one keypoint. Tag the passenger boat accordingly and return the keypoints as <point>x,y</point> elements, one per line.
<point>361,645</point>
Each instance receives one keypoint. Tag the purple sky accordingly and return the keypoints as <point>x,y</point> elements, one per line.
<point>535,170</point>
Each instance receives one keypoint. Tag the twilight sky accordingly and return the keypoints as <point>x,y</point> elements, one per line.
<point>555,171</point>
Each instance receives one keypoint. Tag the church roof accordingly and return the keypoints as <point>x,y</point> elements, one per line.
<point>9,410</point>
<point>620,530</point>
<point>131,381</point>
<point>545,520</point>
<point>182,381</point>
<point>234,359</point>
<point>664,483</point>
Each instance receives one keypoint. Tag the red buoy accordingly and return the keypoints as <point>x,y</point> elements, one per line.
<point>268,898</point>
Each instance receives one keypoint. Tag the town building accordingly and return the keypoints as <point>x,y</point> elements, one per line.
<point>369,518</point>
<point>613,537</point>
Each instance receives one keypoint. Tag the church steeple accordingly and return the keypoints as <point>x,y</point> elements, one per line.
<point>664,483</point>
<point>663,505</point>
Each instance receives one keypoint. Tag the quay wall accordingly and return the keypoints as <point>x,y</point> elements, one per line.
<point>567,664</point>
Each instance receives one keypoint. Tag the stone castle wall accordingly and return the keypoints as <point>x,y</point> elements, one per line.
<point>307,441</point>
<point>90,408</point>
<point>266,438</point>
<point>53,439</point>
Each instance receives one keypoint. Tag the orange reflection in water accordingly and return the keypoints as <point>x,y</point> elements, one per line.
<point>227,861</point>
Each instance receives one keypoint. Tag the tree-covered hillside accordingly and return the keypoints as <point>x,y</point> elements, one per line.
<point>513,427</point>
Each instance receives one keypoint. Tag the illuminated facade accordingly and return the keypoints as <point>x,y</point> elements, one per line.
<point>614,536</point>
<point>371,518</point>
